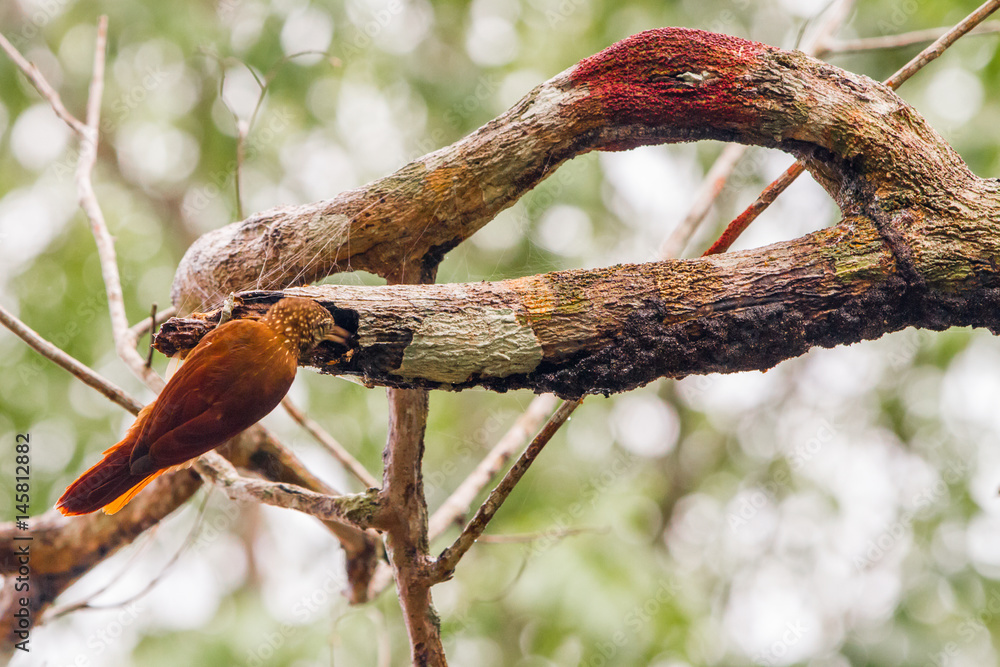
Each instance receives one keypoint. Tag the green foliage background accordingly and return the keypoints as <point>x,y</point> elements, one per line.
<point>840,509</point>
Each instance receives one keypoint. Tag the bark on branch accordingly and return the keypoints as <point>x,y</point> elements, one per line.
<point>917,245</point>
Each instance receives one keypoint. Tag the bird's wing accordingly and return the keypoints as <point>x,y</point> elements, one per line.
<point>237,374</point>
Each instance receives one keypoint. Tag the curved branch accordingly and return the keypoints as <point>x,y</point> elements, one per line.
<point>915,248</point>
<point>665,85</point>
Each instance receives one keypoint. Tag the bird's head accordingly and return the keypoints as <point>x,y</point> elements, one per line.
<point>303,324</point>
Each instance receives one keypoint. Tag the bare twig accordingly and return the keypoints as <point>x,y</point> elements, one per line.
<point>142,327</point>
<point>939,46</point>
<point>765,199</point>
<point>98,227</point>
<point>459,502</point>
<point>743,220</point>
<point>559,533</point>
<point>708,191</point>
<point>330,443</point>
<point>53,353</point>
<point>900,40</point>
<point>152,332</point>
<point>88,133</point>
<point>42,86</point>
<point>446,562</point>
<point>353,510</point>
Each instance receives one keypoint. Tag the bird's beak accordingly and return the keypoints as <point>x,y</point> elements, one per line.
<point>338,335</point>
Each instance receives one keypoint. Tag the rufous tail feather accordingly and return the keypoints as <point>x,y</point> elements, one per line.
<point>109,484</point>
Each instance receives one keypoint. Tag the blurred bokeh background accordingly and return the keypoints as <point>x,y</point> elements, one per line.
<point>840,509</point>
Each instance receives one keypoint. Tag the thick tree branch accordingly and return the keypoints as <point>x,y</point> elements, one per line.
<point>660,86</point>
<point>914,248</point>
<point>918,62</point>
<point>404,521</point>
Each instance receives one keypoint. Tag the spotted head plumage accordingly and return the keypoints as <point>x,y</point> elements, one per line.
<point>302,324</point>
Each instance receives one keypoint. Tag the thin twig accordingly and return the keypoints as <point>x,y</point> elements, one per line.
<point>520,538</point>
<point>53,353</point>
<point>335,448</point>
<point>446,562</point>
<point>939,46</point>
<point>152,332</point>
<point>900,40</point>
<point>743,220</point>
<point>142,327</point>
<point>243,128</point>
<point>346,509</point>
<point>765,199</point>
<point>459,502</point>
<point>98,227</point>
<point>708,191</point>
<point>43,87</point>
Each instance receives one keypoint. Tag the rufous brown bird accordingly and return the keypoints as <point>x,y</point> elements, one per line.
<point>236,374</point>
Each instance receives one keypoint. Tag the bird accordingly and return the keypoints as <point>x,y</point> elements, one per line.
<point>232,378</point>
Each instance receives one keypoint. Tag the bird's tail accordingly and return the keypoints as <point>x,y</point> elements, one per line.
<point>109,484</point>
